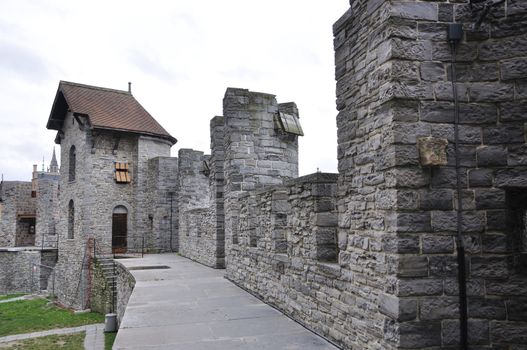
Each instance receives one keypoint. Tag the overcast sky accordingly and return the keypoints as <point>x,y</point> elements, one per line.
<point>180,56</point>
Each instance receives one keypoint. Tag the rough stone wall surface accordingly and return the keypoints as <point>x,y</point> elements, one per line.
<point>397,218</point>
<point>163,202</point>
<point>148,148</point>
<point>217,180</point>
<point>196,208</point>
<point>101,295</point>
<point>125,286</point>
<point>257,154</point>
<point>16,200</point>
<point>47,210</point>
<point>286,254</point>
<point>17,274</point>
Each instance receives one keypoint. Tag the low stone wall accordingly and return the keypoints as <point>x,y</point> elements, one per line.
<point>101,295</point>
<point>287,254</point>
<point>16,275</point>
<point>125,286</point>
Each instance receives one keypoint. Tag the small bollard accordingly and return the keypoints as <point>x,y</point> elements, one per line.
<point>110,323</point>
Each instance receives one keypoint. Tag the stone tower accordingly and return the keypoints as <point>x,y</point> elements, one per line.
<point>110,201</point>
<point>398,207</point>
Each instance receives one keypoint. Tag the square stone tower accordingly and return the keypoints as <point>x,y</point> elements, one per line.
<point>108,143</point>
<point>399,172</point>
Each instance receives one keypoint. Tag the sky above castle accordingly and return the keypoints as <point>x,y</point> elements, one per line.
<point>180,56</point>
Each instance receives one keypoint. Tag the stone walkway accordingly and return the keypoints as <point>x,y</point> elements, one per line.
<point>94,339</point>
<point>192,307</point>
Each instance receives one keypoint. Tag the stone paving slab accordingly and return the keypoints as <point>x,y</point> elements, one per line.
<point>192,307</point>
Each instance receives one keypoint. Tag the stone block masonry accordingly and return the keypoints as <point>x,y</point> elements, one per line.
<point>249,151</point>
<point>196,207</point>
<point>17,214</point>
<point>397,217</point>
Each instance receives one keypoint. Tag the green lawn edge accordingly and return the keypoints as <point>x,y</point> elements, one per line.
<point>27,316</point>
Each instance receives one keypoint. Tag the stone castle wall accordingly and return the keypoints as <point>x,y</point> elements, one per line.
<point>17,274</point>
<point>47,210</point>
<point>163,205</point>
<point>196,210</point>
<point>257,155</point>
<point>250,152</point>
<point>397,217</point>
<point>16,200</point>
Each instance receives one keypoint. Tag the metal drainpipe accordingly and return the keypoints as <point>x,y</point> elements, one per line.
<point>455,34</point>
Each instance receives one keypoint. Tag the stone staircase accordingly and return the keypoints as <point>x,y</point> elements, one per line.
<point>107,265</point>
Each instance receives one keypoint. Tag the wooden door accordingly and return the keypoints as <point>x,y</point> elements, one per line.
<point>119,232</point>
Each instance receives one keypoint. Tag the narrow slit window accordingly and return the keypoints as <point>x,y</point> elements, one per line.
<point>122,173</point>
<point>290,124</point>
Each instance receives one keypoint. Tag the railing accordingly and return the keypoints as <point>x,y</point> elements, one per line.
<point>86,263</point>
<point>101,248</point>
<point>34,269</point>
<point>47,243</point>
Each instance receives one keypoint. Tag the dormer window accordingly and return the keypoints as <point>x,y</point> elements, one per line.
<point>122,174</point>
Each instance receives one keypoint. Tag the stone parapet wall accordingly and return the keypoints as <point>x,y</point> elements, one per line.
<point>398,214</point>
<point>287,254</point>
<point>125,286</point>
<point>17,272</point>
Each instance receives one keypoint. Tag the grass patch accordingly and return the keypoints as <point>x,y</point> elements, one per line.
<point>9,296</point>
<point>73,341</point>
<point>109,339</point>
<point>26,316</point>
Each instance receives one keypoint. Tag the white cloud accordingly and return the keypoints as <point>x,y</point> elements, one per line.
<point>180,55</point>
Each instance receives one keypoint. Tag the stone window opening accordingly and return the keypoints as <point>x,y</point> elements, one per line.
<point>327,245</point>
<point>122,174</point>
<point>235,229</point>
<point>71,219</point>
<point>72,160</point>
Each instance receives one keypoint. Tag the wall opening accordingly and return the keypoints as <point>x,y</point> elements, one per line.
<point>119,229</point>
<point>517,226</point>
<point>72,163</point>
<point>71,220</point>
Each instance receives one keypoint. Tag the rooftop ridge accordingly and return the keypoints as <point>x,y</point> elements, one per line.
<point>125,92</point>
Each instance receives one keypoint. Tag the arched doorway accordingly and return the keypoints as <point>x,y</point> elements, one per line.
<point>119,229</point>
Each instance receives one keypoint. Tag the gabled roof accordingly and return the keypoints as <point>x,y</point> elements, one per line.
<point>105,108</point>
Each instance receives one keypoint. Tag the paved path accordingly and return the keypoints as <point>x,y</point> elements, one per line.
<point>94,335</point>
<point>192,307</point>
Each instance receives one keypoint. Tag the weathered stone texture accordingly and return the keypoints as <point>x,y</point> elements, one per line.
<point>16,208</point>
<point>394,88</point>
<point>20,271</point>
<point>125,286</point>
<point>95,195</point>
<point>47,210</point>
<point>287,252</point>
<point>196,208</point>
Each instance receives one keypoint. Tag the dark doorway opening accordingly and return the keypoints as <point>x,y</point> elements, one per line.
<point>119,230</point>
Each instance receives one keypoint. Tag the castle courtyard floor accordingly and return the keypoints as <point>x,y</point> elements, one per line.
<point>190,306</point>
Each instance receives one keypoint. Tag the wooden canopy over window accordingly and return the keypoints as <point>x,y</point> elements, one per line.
<point>122,174</point>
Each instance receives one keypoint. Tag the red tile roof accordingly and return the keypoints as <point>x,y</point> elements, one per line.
<point>105,108</point>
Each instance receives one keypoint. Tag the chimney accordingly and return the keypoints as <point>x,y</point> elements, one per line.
<point>129,87</point>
